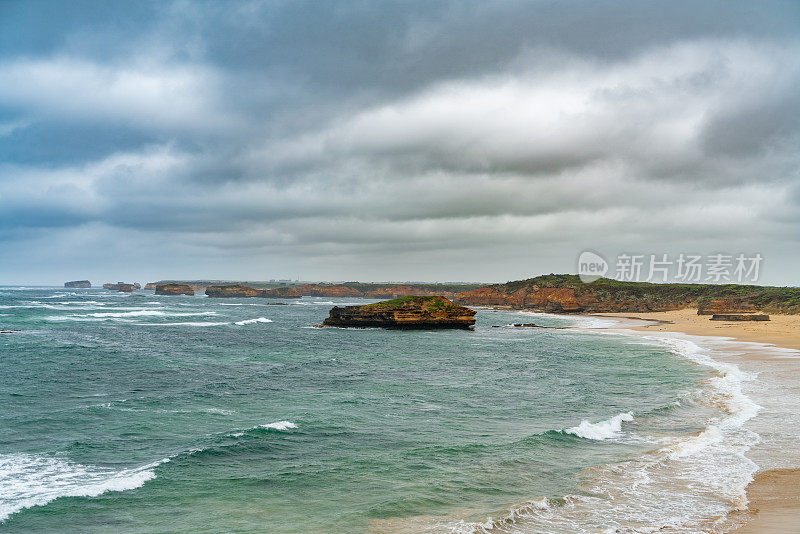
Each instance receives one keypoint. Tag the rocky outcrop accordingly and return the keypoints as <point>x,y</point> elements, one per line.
<point>121,286</point>
<point>174,289</point>
<point>739,317</point>
<point>235,290</point>
<point>410,312</point>
<point>281,293</point>
<point>196,286</point>
<point>78,284</point>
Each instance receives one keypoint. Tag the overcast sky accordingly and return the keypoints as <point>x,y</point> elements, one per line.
<point>425,140</point>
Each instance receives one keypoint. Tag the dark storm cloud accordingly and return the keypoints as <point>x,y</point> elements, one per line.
<point>326,136</point>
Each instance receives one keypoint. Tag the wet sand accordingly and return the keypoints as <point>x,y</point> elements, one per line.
<point>774,495</point>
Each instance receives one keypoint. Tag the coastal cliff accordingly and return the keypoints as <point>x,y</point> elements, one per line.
<point>382,291</point>
<point>235,290</point>
<point>78,284</point>
<point>174,289</point>
<point>410,312</point>
<point>281,293</point>
<point>563,293</point>
<point>317,290</point>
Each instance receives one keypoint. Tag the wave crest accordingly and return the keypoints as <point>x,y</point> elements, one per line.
<point>30,480</point>
<point>602,430</point>
<point>253,321</point>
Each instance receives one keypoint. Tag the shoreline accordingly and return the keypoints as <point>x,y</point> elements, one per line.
<point>773,494</point>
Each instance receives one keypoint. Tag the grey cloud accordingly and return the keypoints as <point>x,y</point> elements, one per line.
<point>326,137</point>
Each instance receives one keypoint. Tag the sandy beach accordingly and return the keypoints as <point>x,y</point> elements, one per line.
<point>774,494</point>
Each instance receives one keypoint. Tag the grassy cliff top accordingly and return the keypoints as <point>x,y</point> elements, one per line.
<point>768,298</point>
<point>431,303</point>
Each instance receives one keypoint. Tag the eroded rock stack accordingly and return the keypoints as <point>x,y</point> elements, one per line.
<point>410,312</point>
<point>174,289</point>
<point>121,286</point>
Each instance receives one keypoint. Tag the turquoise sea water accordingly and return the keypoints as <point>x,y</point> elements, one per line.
<point>136,413</point>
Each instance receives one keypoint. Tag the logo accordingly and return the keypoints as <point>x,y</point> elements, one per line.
<point>591,266</point>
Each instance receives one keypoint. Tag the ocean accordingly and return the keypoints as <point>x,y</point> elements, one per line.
<point>138,413</point>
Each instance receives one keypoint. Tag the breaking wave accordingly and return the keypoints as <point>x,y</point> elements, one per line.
<point>253,321</point>
<point>27,480</point>
<point>610,428</point>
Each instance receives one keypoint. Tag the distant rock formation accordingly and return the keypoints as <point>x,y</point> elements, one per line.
<point>410,312</point>
<point>233,291</point>
<point>281,293</point>
<point>121,286</point>
<point>174,289</point>
<point>316,290</point>
<point>78,284</point>
<point>739,317</point>
<point>376,291</point>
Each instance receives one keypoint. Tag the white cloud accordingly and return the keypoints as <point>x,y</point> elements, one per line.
<point>143,92</point>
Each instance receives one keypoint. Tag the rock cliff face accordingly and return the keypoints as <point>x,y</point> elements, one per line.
<point>78,283</point>
<point>316,290</point>
<point>563,293</point>
<point>196,286</point>
<point>174,289</point>
<point>281,293</point>
<point>233,291</point>
<point>410,312</point>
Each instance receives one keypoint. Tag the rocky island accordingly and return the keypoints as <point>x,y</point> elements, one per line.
<point>122,286</point>
<point>174,289</point>
<point>78,284</point>
<point>410,312</point>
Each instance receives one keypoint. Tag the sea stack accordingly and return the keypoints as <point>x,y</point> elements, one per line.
<point>410,312</point>
<point>121,286</point>
<point>174,289</point>
<point>78,284</point>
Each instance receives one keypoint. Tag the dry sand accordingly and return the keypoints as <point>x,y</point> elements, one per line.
<point>774,495</point>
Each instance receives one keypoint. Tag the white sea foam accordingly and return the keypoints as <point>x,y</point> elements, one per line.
<point>146,313</point>
<point>187,323</point>
<point>280,425</point>
<point>27,480</point>
<point>125,315</point>
<point>253,321</point>
<point>610,428</point>
<point>676,487</point>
